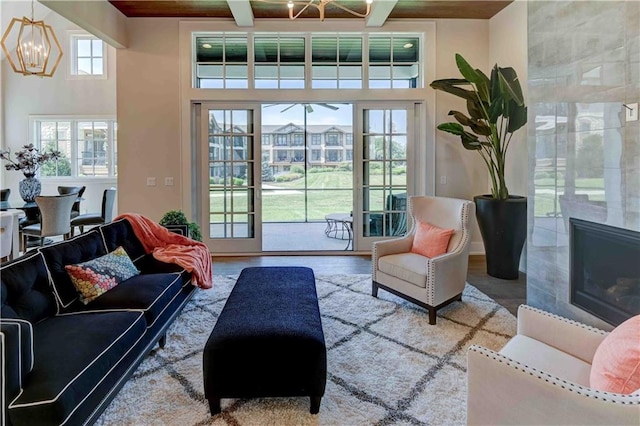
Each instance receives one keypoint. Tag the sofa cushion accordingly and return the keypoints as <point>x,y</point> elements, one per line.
<point>25,291</point>
<point>409,267</point>
<point>151,293</point>
<point>85,247</point>
<point>616,362</point>
<point>543,357</point>
<point>120,233</point>
<point>73,354</point>
<point>17,354</point>
<point>97,276</point>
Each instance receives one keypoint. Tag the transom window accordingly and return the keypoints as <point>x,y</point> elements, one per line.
<point>299,61</point>
<point>89,146</point>
<point>88,56</point>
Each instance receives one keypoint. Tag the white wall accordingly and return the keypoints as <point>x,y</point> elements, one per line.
<point>464,171</point>
<point>22,96</point>
<point>508,48</point>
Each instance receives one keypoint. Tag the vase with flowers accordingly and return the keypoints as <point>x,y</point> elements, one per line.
<point>28,160</point>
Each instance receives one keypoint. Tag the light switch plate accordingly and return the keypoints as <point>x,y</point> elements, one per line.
<point>151,181</point>
<point>631,111</point>
<point>168,181</point>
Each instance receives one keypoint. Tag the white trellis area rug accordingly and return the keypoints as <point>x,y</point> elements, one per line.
<point>386,365</point>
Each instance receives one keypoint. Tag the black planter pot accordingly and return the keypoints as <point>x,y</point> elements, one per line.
<point>503,225</point>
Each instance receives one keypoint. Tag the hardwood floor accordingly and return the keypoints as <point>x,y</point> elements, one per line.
<point>509,293</point>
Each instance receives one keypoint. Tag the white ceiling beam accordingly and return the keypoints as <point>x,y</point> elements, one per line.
<point>380,10</point>
<point>98,17</point>
<point>242,12</point>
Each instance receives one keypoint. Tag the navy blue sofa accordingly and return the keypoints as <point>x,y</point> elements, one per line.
<point>63,361</point>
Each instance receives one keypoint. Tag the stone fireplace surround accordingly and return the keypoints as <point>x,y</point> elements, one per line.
<point>584,158</point>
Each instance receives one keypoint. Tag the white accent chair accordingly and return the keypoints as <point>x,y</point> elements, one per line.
<point>430,283</point>
<point>55,218</point>
<point>541,376</point>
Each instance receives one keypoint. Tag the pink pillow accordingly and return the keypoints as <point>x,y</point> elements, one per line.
<point>616,363</point>
<point>429,240</point>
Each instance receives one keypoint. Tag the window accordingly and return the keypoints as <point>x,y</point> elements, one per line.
<point>298,139</point>
<point>311,60</point>
<point>222,62</point>
<point>279,62</point>
<point>336,62</point>
<point>316,155</point>
<point>333,156</point>
<point>266,140</point>
<point>333,139</point>
<point>394,62</point>
<point>88,56</point>
<point>349,139</point>
<point>89,146</point>
<point>316,139</point>
<point>282,140</point>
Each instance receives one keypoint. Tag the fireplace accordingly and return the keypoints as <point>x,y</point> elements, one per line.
<point>605,270</point>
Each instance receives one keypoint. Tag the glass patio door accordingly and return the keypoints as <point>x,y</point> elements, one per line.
<point>385,173</point>
<point>231,210</point>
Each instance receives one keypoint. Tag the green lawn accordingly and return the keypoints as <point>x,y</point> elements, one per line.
<point>285,201</point>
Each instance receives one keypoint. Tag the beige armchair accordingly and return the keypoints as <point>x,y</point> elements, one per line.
<point>428,282</point>
<point>541,377</point>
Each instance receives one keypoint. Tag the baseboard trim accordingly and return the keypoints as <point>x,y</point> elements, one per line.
<point>476,248</point>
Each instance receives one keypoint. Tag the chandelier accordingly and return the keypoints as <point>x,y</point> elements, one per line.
<point>320,5</point>
<point>35,44</point>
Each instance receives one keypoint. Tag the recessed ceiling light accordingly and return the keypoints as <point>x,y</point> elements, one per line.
<point>408,45</point>
<point>206,45</point>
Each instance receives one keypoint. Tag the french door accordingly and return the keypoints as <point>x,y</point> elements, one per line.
<point>386,157</point>
<point>231,208</point>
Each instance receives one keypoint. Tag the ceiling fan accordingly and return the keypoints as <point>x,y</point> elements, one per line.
<point>307,106</point>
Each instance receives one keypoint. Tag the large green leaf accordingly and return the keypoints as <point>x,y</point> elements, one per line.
<point>478,127</point>
<point>510,84</point>
<point>495,84</point>
<point>495,110</point>
<point>469,140</point>
<point>483,86</point>
<point>475,110</point>
<point>517,116</point>
<point>467,70</point>
<point>447,86</point>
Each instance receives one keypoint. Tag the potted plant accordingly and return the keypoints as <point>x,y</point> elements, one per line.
<point>495,110</point>
<point>28,160</point>
<point>176,221</point>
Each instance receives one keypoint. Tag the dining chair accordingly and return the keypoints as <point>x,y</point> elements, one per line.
<point>105,216</point>
<point>79,190</point>
<point>6,235</point>
<point>55,218</point>
<point>4,194</point>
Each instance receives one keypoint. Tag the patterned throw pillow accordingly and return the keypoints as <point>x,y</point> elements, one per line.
<point>101,274</point>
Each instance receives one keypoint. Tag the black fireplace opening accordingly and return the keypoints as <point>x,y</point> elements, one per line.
<point>605,270</point>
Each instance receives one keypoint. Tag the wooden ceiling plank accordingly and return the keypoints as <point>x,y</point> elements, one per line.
<point>242,12</point>
<point>380,11</point>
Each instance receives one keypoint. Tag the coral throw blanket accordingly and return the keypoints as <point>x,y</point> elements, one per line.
<point>168,246</point>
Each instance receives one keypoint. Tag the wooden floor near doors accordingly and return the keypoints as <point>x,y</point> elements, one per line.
<point>509,293</point>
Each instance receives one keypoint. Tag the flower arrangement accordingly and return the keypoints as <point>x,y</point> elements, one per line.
<point>29,159</point>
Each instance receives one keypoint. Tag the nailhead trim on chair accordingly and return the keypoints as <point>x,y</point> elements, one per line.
<point>563,319</point>
<point>617,398</point>
<point>466,234</point>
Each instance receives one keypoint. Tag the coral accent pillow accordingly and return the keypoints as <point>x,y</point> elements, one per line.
<point>616,363</point>
<point>97,276</point>
<point>430,241</point>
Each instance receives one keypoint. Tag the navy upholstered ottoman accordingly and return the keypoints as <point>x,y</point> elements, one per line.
<point>268,340</point>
